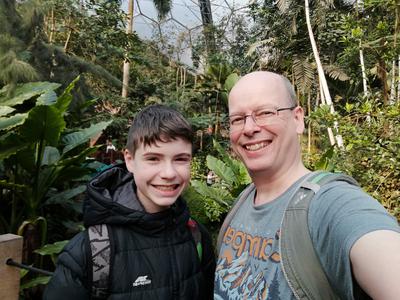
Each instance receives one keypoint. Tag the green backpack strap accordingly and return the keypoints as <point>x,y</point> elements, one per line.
<point>196,234</point>
<point>300,264</point>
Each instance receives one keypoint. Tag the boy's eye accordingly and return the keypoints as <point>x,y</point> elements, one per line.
<point>151,158</point>
<point>183,159</point>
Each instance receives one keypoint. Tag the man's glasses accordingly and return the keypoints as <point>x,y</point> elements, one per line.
<point>262,117</point>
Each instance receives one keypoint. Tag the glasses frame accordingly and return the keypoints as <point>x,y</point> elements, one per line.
<point>253,116</point>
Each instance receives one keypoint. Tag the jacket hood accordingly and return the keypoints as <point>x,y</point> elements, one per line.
<point>111,199</point>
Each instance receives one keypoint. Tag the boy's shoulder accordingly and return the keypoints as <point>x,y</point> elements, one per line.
<point>74,254</point>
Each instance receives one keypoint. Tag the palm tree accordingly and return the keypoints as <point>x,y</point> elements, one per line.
<point>163,7</point>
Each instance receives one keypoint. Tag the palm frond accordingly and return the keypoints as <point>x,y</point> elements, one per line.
<point>283,5</point>
<point>163,7</point>
<point>303,72</point>
<point>336,73</point>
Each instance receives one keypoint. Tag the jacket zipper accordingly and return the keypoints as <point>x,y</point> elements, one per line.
<point>175,275</point>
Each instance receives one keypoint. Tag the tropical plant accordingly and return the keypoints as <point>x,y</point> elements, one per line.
<point>371,132</point>
<point>42,161</point>
<point>217,199</point>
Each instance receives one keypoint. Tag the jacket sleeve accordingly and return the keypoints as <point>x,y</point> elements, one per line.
<point>208,261</point>
<point>70,276</point>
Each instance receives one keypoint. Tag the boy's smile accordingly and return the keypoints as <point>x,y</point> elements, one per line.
<point>161,172</point>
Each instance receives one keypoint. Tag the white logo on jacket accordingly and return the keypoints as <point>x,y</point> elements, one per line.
<point>141,280</point>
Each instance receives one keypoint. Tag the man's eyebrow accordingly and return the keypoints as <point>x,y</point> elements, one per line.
<point>256,109</point>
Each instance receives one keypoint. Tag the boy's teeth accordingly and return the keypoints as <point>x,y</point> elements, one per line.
<point>255,147</point>
<point>166,187</point>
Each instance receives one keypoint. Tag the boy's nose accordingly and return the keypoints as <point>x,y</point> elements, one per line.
<point>168,171</point>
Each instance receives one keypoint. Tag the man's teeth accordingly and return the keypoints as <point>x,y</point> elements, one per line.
<point>255,147</point>
<point>166,187</point>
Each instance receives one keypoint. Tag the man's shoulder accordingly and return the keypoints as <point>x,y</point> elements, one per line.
<point>342,191</point>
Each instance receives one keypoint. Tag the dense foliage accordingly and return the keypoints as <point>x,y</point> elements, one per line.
<point>46,122</point>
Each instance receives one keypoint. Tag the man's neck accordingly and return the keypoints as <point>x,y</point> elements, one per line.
<point>271,186</point>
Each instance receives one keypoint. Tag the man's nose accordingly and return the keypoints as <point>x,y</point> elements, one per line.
<point>250,125</point>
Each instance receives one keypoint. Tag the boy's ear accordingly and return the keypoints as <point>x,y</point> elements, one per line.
<point>128,160</point>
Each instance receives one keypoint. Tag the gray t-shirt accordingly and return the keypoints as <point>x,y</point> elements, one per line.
<point>249,266</point>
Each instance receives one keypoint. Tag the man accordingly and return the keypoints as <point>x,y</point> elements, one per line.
<point>353,236</point>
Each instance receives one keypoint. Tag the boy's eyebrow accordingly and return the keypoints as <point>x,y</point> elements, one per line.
<point>161,153</point>
<point>184,154</point>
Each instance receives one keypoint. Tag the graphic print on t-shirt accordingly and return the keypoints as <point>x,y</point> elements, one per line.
<point>248,267</point>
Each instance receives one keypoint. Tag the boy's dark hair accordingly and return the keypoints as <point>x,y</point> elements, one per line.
<point>158,123</point>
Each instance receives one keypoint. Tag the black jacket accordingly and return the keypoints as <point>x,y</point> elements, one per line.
<point>158,247</point>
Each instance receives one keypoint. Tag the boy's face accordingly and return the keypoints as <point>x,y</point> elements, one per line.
<point>161,172</point>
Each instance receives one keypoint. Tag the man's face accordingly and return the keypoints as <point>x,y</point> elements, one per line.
<point>161,172</point>
<point>266,149</point>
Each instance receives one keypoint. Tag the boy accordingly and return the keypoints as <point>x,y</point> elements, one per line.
<point>154,255</point>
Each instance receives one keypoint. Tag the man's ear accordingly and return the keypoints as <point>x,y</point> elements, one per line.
<point>299,119</point>
<point>129,158</point>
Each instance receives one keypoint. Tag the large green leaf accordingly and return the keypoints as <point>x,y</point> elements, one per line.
<point>239,170</point>
<point>219,195</point>
<point>50,156</point>
<point>13,121</point>
<point>226,158</point>
<point>5,110</point>
<point>48,98</point>
<point>26,158</point>
<point>73,173</point>
<point>50,249</point>
<point>27,91</point>
<point>35,281</point>
<point>65,99</point>
<point>64,196</point>
<point>230,81</point>
<point>44,123</point>
<point>79,158</point>
<point>75,139</point>
<point>10,185</point>
<point>11,144</point>
<point>221,169</point>
<point>47,176</point>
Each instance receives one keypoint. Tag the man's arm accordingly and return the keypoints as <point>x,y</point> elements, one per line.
<point>375,258</point>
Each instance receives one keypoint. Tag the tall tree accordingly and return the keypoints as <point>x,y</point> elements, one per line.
<point>126,67</point>
<point>163,7</point>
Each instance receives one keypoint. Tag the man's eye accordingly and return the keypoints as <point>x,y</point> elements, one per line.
<point>265,114</point>
<point>237,120</point>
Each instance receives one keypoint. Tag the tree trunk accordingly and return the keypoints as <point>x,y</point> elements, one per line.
<point>69,34</point>
<point>364,75</point>
<point>126,68</point>
<point>393,85</point>
<point>52,26</point>
<point>324,85</point>
<point>398,81</point>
